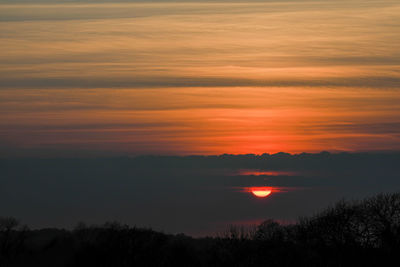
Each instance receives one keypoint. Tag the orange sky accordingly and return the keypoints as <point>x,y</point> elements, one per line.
<point>200,78</point>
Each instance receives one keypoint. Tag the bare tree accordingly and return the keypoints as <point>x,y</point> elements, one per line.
<point>381,216</point>
<point>12,237</point>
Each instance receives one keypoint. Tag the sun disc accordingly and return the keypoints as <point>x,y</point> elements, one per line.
<point>261,192</point>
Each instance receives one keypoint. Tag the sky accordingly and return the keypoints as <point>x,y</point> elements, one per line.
<point>119,110</point>
<point>134,78</point>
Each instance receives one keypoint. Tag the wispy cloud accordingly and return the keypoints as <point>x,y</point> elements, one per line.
<point>200,77</point>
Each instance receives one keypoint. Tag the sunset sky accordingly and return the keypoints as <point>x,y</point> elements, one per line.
<point>133,78</point>
<point>171,114</point>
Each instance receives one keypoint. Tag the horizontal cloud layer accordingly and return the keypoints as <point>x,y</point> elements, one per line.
<point>199,77</point>
<point>196,195</point>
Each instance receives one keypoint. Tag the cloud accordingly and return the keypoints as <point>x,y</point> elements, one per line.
<point>194,81</point>
<point>202,120</point>
<point>191,194</point>
<point>109,45</point>
<point>133,45</point>
<point>194,78</point>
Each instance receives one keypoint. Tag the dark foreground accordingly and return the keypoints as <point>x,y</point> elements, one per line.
<point>364,233</point>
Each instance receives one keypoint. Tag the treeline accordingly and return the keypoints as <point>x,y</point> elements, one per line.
<point>350,233</point>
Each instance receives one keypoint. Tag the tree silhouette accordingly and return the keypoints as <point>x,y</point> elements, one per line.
<point>349,233</point>
<point>12,237</point>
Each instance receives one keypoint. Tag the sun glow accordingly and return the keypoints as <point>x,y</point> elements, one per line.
<point>266,173</point>
<point>261,191</point>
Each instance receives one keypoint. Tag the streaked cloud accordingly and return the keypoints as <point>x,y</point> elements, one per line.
<point>199,77</point>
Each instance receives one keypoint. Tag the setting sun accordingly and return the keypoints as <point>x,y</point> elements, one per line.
<point>261,191</point>
<point>199,131</point>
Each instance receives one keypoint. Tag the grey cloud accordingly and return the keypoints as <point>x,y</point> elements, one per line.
<point>87,126</point>
<point>371,128</point>
<point>189,194</point>
<point>77,11</point>
<point>184,81</point>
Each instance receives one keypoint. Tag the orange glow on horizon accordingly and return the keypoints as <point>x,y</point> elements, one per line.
<point>266,173</point>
